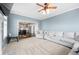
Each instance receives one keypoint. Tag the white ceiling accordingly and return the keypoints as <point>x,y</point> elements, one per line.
<point>31,10</point>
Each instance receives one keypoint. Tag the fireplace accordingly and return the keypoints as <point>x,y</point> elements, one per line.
<point>26,30</point>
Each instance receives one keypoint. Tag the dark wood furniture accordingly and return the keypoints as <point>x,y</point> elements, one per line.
<point>9,39</point>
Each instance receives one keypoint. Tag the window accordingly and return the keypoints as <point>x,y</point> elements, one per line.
<point>5,28</point>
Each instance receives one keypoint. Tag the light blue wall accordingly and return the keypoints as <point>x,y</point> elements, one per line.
<point>12,23</point>
<point>68,21</point>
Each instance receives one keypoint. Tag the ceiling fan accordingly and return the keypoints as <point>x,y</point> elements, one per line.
<point>46,6</point>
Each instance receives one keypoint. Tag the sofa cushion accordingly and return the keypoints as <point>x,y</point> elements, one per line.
<point>71,41</point>
<point>59,34</point>
<point>69,35</point>
<point>52,34</point>
<point>77,36</point>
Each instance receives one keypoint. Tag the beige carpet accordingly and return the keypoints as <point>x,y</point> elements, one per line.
<point>34,46</point>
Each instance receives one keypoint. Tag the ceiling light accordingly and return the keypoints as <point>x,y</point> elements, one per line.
<point>46,8</point>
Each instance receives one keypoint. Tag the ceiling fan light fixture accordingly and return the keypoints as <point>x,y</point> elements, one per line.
<point>46,8</point>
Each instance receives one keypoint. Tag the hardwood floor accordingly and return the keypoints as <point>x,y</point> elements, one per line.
<point>34,46</point>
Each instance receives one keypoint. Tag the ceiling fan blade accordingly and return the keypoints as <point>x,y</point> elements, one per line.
<point>52,7</point>
<point>40,10</point>
<point>40,5</point>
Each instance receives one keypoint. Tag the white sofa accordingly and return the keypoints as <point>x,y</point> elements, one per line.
<point>63,38</point>
<point>69,37</point>
<point>60,38</point>
<point>39,34</point>
<point>75,49</point>
<point>77,36</point>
